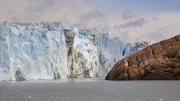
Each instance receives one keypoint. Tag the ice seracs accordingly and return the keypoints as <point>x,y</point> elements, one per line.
<point>32,51</point>
<point>52,50</point>
<point>131,48</point>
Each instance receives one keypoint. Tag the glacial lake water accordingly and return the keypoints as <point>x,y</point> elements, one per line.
<point>90,89</point>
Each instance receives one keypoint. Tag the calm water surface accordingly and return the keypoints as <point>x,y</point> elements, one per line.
<point>89,90</point>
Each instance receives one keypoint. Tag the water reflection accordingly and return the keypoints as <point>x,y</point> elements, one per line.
<point>58,81</point>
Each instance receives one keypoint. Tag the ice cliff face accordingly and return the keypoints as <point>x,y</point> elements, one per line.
<point>131,48</point>
<point>50,50</point>
<point>33,51</point>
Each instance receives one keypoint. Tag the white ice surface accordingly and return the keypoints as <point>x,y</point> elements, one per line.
<point>39,51</point>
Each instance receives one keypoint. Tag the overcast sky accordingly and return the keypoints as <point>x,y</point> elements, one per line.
<point>130,20</point>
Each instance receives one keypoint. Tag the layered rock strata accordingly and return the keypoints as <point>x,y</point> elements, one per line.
<point>160,61</point>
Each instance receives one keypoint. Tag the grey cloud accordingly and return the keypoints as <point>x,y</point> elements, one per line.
<point>14,19</point>
<point>156,37</point>
<point>93,15</point>
<point>105,29</point>
<point>84,20</point>
<point>12,16</point>
<point>138,22</point>
<point>80,25</point>
<point>117,27</point>
<point>39,6</point>
<point>79,13</point>
<point>96,28</point>
<point>35,9</point>
<point>127,15</point>
<point>154,18</point>
<point>10,12</point>
<point>94,0</point>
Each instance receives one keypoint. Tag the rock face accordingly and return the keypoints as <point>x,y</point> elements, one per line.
<point>69,40</point>
<point>19,76</point>
<point>160,61</point>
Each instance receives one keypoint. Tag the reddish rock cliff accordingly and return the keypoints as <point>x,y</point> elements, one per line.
<point>160,61</point>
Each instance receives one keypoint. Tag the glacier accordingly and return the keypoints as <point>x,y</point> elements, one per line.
<point>52,50</point>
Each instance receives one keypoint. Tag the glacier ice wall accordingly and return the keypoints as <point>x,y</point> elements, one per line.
<point>32,51</point>
<point>131,48</point>
<point>51,50</point>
